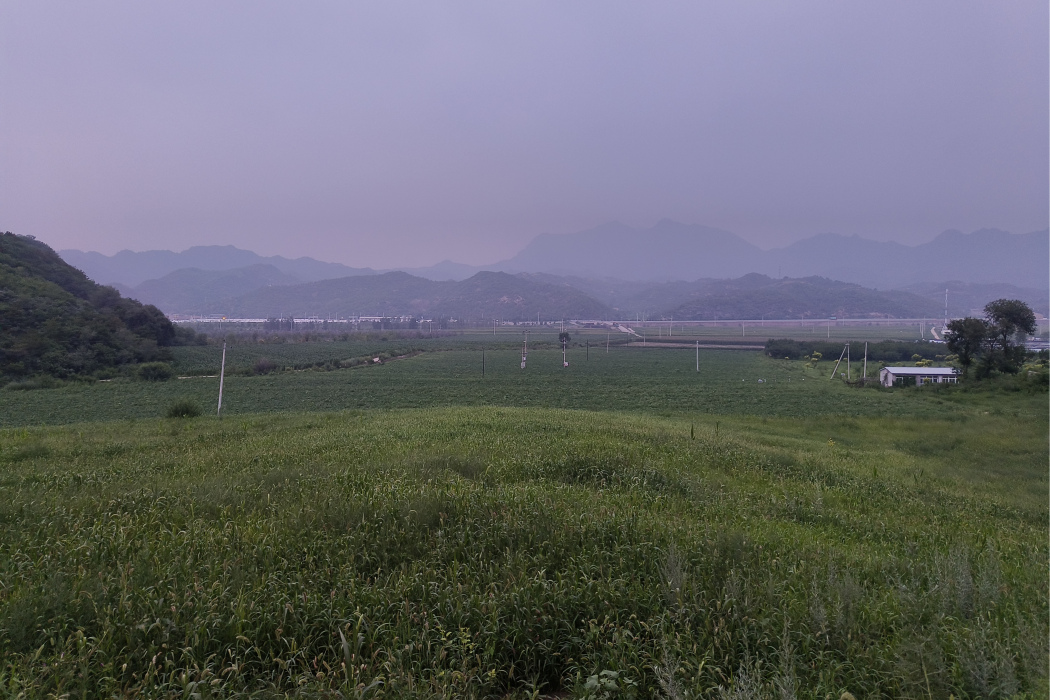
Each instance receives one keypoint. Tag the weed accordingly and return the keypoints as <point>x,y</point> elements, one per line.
<point>184,408</point>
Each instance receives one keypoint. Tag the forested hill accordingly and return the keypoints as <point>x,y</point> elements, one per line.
<point>757,296</point>
<point>486,295</point>
<point>57,322</point>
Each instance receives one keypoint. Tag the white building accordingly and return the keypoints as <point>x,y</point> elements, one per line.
<point>922,375</point>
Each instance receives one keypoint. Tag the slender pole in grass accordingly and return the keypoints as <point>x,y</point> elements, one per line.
<point>607,343</point>
<point>697,355</point>
<point>841,355</point>
<point>865,360</point>
<point>222,376</point>
<point>483,362</point>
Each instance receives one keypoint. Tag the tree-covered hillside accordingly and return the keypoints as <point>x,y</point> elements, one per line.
<point>757,296</point>
<point>486,295</point>
<point>55,321</point>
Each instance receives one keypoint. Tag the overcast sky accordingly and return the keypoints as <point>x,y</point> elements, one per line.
<point>395,133</point>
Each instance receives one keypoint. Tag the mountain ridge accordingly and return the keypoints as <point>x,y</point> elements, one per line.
<point>129,268</point>
<point>667,251</point>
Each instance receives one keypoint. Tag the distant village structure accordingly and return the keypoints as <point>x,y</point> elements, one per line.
<point>922,375</point>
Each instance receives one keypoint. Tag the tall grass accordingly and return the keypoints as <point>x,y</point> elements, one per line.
<point>499,552</point>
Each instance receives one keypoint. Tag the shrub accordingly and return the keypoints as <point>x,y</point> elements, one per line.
<point>184,408</point>
<point>42,382</point>
<point>264,366</point>
<point>155,372</point>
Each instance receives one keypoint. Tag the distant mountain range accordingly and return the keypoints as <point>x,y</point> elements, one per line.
<point>524,297</point>
<point>670,270</point>
<point>968,299</point>
<point>192,290</point>
<point>673,251</point>
<point>668,251</point>
<point>128,268</point>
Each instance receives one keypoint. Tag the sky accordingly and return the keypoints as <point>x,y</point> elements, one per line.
<point>404,133</point>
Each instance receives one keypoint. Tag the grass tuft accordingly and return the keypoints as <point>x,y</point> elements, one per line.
<point>184,408</point>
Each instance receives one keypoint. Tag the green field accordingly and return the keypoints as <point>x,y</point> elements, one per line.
<point>624,379</point>
<point>626,525</point>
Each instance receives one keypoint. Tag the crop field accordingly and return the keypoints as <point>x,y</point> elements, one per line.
<point>652,380</point>
<point>624,527</point>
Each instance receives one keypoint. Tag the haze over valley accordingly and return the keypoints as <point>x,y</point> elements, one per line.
<point>671,270</point>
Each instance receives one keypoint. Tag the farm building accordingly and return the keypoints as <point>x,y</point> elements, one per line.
<point>922,375</point>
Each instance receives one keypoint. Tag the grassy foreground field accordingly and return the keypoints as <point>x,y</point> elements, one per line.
<point>495,551</point>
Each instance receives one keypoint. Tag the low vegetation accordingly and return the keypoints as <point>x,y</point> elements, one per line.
<point>499,552</point>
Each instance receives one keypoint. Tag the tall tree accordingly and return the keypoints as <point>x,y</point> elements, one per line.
<point>966,338</point>
<point>1009,322</point>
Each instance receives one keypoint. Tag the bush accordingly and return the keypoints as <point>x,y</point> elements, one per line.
<point>155,372</point>
<point>42,382</point>
<point>264,366</point>
<point>184,408</point>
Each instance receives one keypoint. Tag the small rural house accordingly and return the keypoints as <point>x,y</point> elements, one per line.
<point>922,375</point>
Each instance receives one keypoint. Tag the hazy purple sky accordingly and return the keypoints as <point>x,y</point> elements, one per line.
<point>390,133</point>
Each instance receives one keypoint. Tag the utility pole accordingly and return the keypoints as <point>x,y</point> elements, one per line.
<point>865,360</point>
<point>944,328</point>
<point>698,356</point>
<point>836,369</point>
<point>222,376</point>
